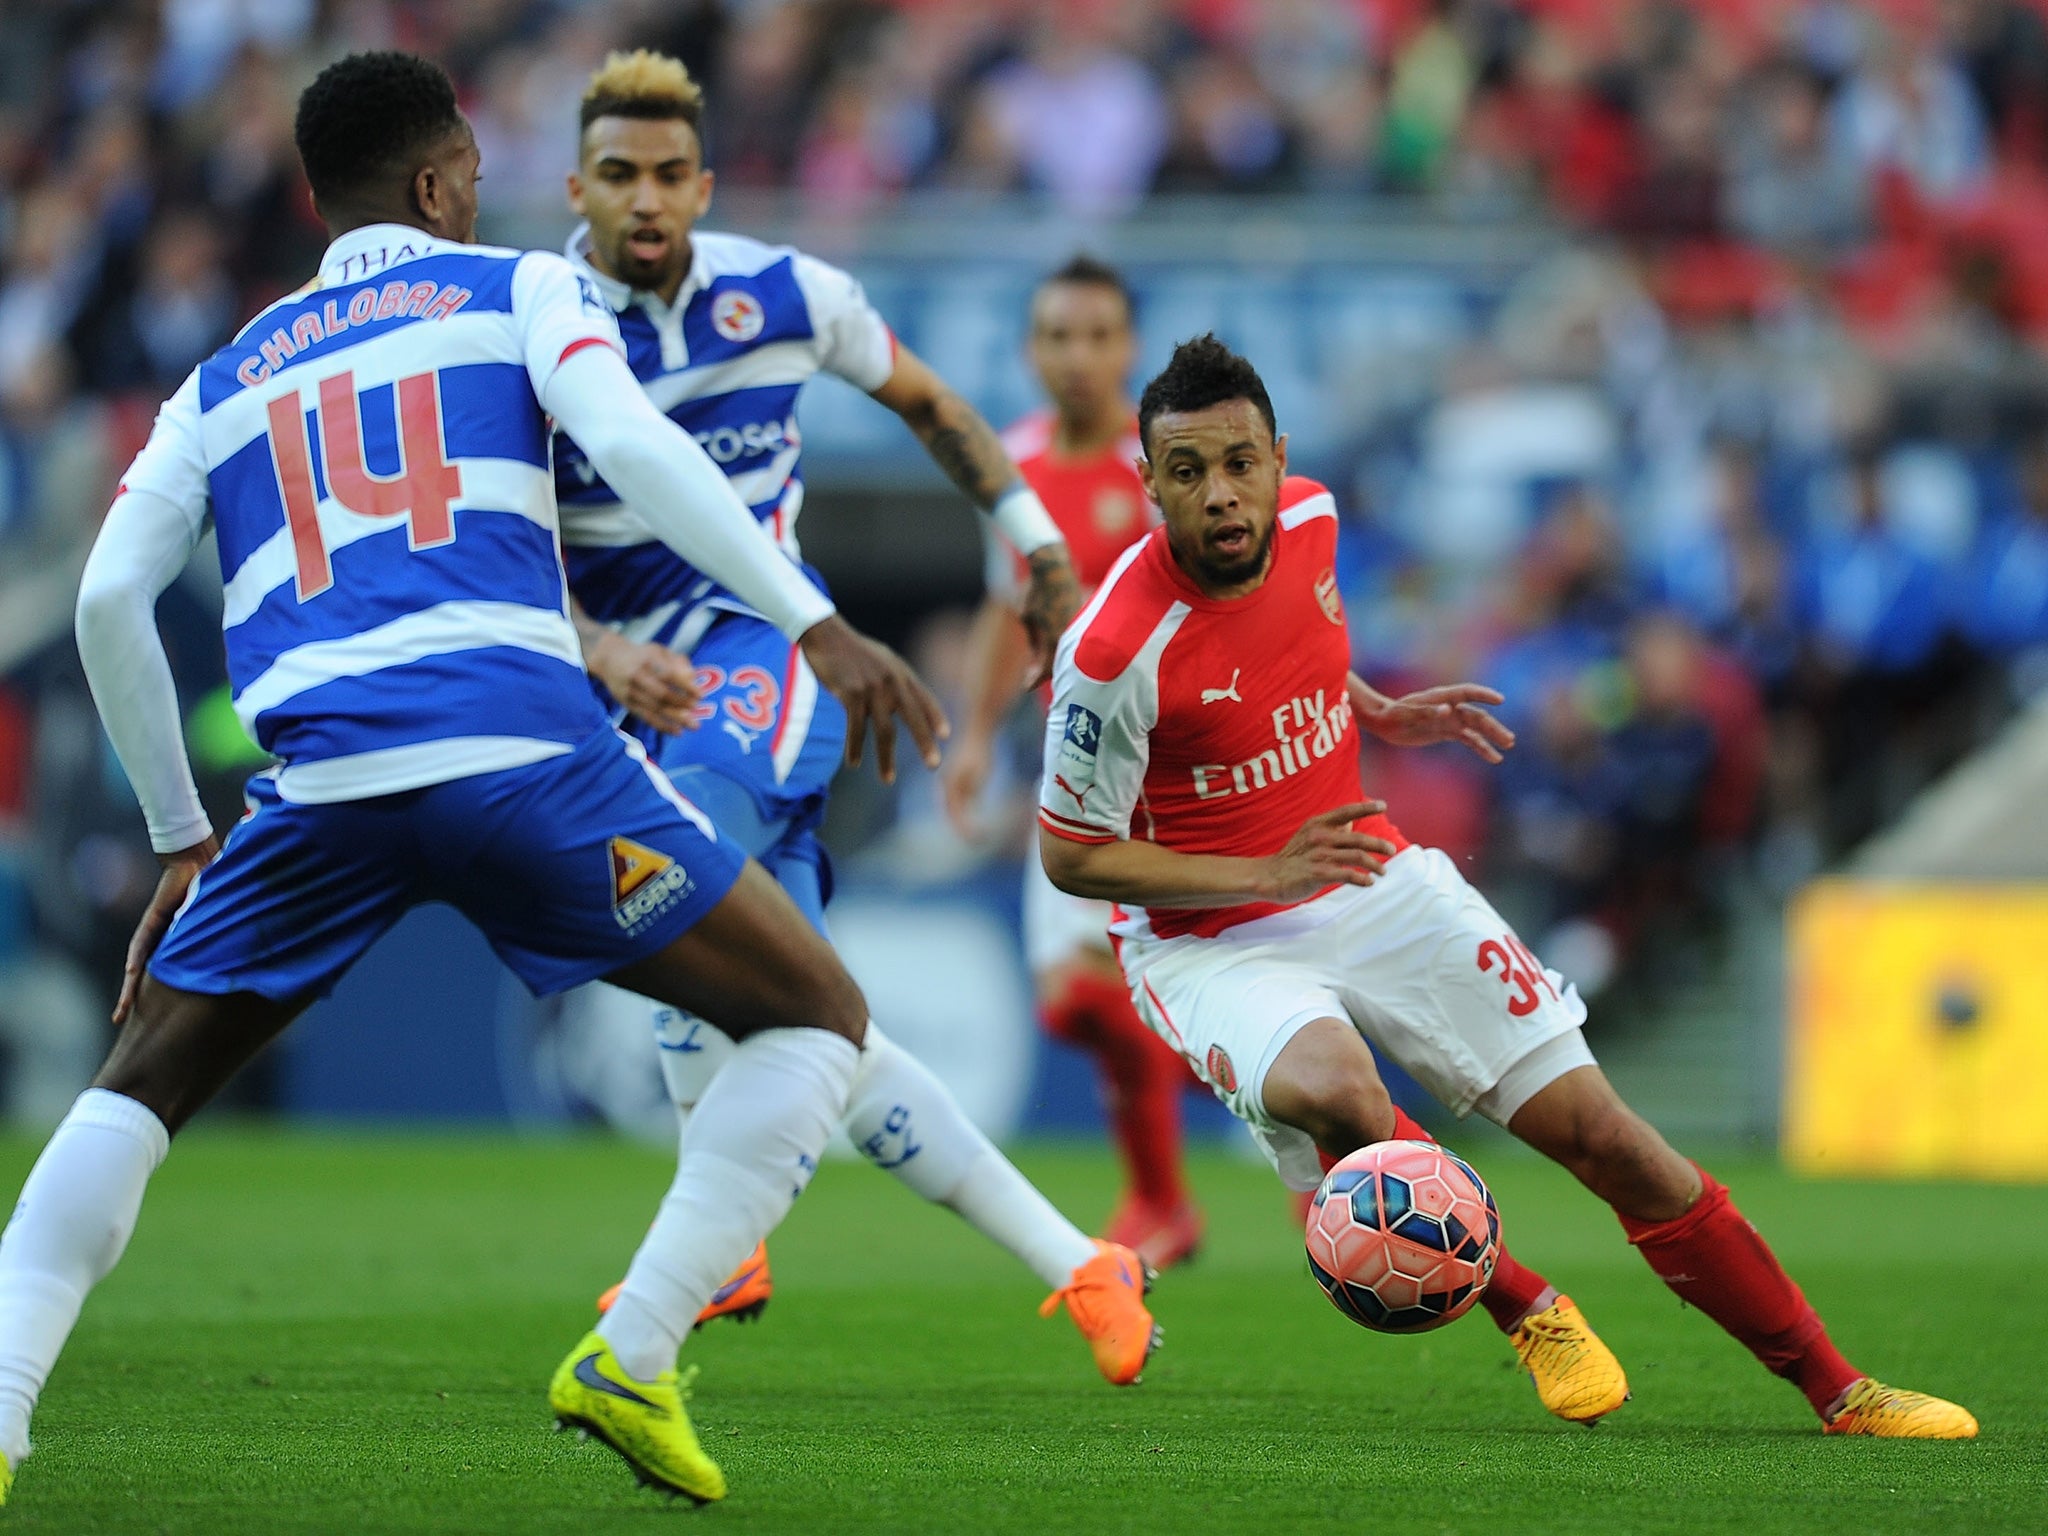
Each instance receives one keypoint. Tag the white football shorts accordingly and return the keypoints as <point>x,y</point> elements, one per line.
<point>1419,962</point>
<point>1059,928</point>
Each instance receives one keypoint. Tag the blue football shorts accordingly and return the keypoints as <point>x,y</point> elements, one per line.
<point>761,760</point>
<point>573,867</point>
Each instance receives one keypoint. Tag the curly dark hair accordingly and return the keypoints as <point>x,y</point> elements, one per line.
<point>369,116</point>
<point>1202,372</point>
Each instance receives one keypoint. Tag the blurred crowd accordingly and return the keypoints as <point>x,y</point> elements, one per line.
<point>1743,498</point>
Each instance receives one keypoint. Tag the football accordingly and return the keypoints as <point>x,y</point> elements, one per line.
<point>1403,1236</point>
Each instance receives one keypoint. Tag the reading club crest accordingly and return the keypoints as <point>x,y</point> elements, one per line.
<point>737,315</point>
<point>1326,594</point>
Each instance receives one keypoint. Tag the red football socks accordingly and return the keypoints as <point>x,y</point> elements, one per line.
<point>1143,1079</point>
<point>1515,1289</point>
<point>1714,1259</point>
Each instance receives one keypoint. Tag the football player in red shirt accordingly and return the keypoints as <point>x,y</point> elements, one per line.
<point>1201,771</point>
<point>1081,457</point>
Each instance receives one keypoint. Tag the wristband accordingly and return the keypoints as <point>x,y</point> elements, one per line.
<point>1024,521</point>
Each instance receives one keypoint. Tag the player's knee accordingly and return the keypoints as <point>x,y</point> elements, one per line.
<point>145,1064</point>
<point>835,1003</point>
<point>1347,1108</point>
<point>1617,1148</point>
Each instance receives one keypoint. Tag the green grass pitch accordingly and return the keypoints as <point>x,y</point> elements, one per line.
<point>336,1333</point>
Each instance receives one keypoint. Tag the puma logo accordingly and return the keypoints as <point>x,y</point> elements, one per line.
<point>1218,695</point>
<point>1080,795</point>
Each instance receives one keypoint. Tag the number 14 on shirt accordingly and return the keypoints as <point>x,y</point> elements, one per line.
<point>422,491</point>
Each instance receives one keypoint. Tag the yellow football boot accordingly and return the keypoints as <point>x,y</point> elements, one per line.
<point>1893,1413</point>
<point>743,1297</point>
<point>6,1479</point>
<point>1576,1376</point>
<point>644,1421</point>
<point>1105,1298</point>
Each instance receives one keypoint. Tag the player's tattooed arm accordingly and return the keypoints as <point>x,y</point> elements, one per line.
<point>953,432</point>
<point>1326,851</point>
<point>972,456</point>
<point>1050,603</point>
<point>651,681</point>
<point>1453,712</point>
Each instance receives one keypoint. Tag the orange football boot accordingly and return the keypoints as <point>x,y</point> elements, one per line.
<point>1893,1413</point>
<point>1105,1297</point>
<point>1576,1375</point>
<point>1162,1236</point>
<point>743,1297</point>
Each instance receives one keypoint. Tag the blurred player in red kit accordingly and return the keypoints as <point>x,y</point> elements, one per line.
<point>1080,456</point>
<point>1202,771</point>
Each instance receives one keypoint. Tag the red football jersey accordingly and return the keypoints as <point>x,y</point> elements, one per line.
<point>1098,501</point>
<point>1205,726</point>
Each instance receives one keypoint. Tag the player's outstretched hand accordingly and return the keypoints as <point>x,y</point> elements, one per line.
<point>968,765</point>
<point>1326,852</point>
<point>1050,603</point>
<point>651,681</point>
<point>180,869</point>
<point>1453,712</point>
<point>878,688</point>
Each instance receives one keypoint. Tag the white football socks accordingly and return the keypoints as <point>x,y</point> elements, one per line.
<point>750,1146</point>
<point>691,1052</point>
<point>76,1212</point>
<point>904,1120</point>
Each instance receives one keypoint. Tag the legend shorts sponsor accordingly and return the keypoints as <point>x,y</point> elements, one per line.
<point>573,867</point>
<point>1419,962</point>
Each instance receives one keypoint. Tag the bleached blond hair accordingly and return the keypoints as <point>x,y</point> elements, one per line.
<point>642,83</point>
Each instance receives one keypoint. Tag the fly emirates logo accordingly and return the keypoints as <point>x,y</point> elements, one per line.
<point>1305,731</point>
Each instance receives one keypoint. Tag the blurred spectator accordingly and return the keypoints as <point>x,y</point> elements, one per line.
<point>1870,604</point>
<point>1428,90</point>
<point>154,327</point>
<point>1729,577</point>
<point>1872,613</point>
<point>1675,190</point>
<point>2003,601</point>
<point>2002,48</point>
<point>1796,185</point>
<point>1908,111</point>
<point>1227,134</point>
<point>1087,121</point>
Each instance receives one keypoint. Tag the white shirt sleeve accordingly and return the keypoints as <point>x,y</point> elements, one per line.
<point>559,312</point>
<point>673,487</point>
<point>1097,747</point>
<point>158,517</point>
<point>853,341</point>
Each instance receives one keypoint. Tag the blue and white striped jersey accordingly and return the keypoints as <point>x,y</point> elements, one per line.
<point>373,457</point>
<point>751,325</point>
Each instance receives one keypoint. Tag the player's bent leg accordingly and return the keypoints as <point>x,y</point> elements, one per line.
<point>752,964</point>
<point>753,967</point>
<point>761,974</point>
<point>83,1196</point>
<point>180,1048</point>
<point>1580,1121</point>
<point>1689,1231</point>
<point>904,1120</point>
<point>1325,1083</point>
